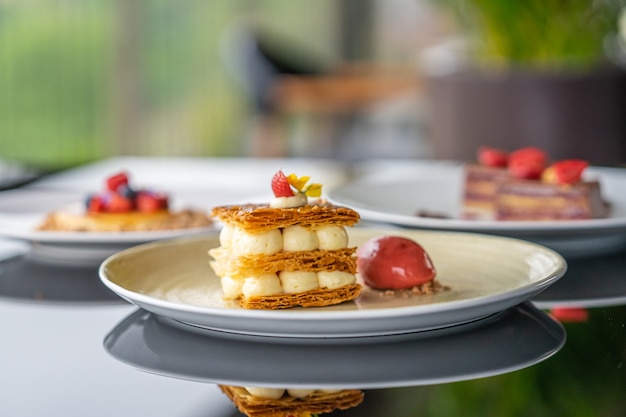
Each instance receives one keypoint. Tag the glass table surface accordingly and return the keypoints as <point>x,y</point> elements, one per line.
<point>60,325</point>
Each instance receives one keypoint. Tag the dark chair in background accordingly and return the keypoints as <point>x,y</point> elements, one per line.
<point>284,82</point>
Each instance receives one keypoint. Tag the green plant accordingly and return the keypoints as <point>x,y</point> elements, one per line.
<point>552,34</point>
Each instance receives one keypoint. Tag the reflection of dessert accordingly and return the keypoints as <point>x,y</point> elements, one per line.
<point>290,252</point>
<point>274,402</point>
<point>121,208</point>
<point>524,185</point>
<point>395,263</point>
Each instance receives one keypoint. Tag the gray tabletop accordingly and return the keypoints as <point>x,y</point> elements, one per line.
<point>55,318</point>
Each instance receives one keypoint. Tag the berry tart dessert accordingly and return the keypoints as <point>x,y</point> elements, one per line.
<point>396,265</point>
<point>525,185</point>
<point>287,253</point>
<point>122,208</point>
<point>275,402</point>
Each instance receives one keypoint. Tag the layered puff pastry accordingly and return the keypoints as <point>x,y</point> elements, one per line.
<point>264,402</point>
<point>273,257</point>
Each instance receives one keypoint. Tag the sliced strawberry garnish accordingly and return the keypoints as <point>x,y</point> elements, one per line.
<point>529,170</point>
<point>529,153</point>
<point>280,185</point>
<point>117,203</point>
<point>527,163</point>
<point>149,202</point>
<point>492,157</point>
<point>116,181</point>
<point>568,171</point>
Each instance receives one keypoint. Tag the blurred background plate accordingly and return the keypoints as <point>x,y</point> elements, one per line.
<point>395,193</point>
<point>23,210</point>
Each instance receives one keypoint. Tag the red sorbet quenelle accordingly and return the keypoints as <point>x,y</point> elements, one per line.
<point>394,263</point>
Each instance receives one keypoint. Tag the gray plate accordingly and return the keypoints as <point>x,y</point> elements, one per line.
<point>511,340</point>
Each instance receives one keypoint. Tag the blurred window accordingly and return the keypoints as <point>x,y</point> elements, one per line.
<point>86,79</point>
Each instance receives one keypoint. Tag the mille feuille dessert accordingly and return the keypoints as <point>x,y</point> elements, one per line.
<point>524,185</point>
<point>274,402</point>
<point>287,253</point>
<point>122,208</point>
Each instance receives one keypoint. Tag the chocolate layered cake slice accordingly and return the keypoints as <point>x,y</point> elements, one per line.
<point>287,253</point>
<point>525,186</point>
<point>535,200</point>
<point>479,191</point>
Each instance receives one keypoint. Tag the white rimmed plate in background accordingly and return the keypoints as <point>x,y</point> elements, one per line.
<point>394,195</point>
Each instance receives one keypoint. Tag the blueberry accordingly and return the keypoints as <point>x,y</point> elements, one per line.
<point>88,199</point>
<point>127,192</point>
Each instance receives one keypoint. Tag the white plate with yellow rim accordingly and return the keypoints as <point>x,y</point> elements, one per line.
<point>486,275</point>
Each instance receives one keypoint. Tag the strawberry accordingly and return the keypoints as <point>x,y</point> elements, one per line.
<point>280,185</point>
<point>119,204</point>
<point>568,171</point>
<point>529,153</point>
<point>492,157</point>
<point>115,181</point>
<point>149,202</point>
<point>529,170</point>
<point>527,163</point>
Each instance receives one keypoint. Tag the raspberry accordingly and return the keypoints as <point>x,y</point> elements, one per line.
<point>95,204</point>
<point>116,181</point>
<point>492,157</point>
<point>148,202</point>
<point>280,185</point>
